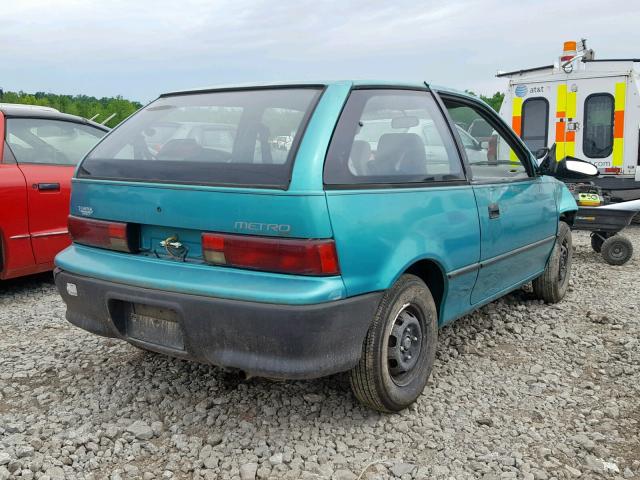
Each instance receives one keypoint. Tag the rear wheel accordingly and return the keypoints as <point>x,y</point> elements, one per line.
<point>552,285</point>
<point>617,250</point>
<point>399,349</point>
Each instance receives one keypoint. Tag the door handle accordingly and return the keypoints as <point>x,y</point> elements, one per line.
<point>46,187</point>
<point>494,210</point>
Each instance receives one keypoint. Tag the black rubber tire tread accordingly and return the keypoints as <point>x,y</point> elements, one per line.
<point>596,243</point>
<point>368,381</point>
<point>610,243</point>
<point>546,287</point>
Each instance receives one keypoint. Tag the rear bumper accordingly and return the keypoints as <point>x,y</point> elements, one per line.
<point>262,339</point>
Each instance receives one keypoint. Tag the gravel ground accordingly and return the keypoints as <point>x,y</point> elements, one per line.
<point>520,390</point>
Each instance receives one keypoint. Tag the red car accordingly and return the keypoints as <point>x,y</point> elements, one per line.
<point>38,155</point>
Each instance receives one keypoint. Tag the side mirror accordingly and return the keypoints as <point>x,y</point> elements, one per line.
<point>484,145</point>
<point>579,168</point>
<point>570,168</point>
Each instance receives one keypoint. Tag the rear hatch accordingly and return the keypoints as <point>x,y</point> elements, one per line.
<point>190,165</point>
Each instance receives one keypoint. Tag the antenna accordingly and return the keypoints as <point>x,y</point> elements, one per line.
<point>104,122</point>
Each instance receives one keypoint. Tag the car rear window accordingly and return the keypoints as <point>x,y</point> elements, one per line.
<point>231,138</point>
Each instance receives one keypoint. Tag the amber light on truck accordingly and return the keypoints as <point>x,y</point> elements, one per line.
<point>271,254</point>
<point>103,234</point>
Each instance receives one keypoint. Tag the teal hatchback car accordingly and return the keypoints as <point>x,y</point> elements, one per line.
<point>297,231</point>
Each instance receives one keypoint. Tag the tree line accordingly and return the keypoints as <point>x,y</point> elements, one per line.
<point>81,105</point>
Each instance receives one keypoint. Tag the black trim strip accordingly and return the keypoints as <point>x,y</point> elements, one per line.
<point>374,86</point>
<point>517,251</point>
<point>498,258</point>
<point>398,185</point>
<point>463,270</point>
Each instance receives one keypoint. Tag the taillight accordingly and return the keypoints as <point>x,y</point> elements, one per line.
<point>612,170</point>
<point>103,234</point>
<point>282,255</point>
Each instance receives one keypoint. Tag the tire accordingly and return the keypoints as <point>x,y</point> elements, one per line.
<point>596,242</point>
<point>617,250</point>
<point>399,349</point>
<point>551,286</point>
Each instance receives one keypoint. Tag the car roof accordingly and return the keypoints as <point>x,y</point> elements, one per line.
<point>16,110</point>
<point>352,83</point>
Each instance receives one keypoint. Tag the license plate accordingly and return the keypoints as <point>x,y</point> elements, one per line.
<point>156,325</point>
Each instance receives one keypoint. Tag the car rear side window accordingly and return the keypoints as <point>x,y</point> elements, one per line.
<point>50,142</point>
<point>234,138</point>
<point>597,140</point>
<point>387,136</point>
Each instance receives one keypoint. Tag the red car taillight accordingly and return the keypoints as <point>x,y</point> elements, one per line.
<point>103,234</point>
<point>282,255</point>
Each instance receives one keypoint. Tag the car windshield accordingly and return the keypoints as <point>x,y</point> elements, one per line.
<point>236,138</point>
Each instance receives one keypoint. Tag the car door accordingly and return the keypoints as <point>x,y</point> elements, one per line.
<point>47,152</point>
<point>16,255</point>
<point>517,209</point>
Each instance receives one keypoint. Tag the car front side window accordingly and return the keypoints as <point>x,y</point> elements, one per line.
<point>492,155</point>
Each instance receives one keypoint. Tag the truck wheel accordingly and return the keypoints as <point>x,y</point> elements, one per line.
<point>399,349</point>
<point>617,250</point>
<point>552,285</point>
<point>596,241</point>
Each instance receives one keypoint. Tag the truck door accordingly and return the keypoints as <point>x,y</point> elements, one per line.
<point>47,152</point>
<point>595,122</point>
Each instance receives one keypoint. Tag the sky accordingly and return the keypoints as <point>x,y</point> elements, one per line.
<point>141,48</point>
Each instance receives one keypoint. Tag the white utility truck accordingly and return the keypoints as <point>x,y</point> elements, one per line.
<point>588,107</point>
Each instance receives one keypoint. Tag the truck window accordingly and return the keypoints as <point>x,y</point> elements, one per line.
<point>597,140</point>
<point>535,123</point>
<point>389,136</point>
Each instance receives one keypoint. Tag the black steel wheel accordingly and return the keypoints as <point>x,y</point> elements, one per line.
<point>617,250</point>
<point>552,285</point>
<point>399,349</point>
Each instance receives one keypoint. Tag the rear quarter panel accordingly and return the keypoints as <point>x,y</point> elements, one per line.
<point>380,233</point>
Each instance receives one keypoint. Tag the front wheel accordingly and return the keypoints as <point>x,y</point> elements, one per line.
<point>399,349</point>
<point>552,285</point>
